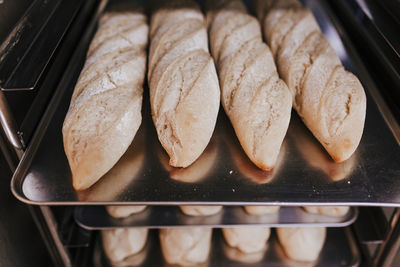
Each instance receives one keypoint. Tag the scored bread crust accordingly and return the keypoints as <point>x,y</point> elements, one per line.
<point>256,101</point>
<point>105,109</point>
<point>247,240</point>
<point>184,89</point>
<point>330,100</point>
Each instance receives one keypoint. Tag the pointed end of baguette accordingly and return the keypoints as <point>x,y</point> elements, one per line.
<point>342,150</point>
<point>79,184</point>
<point>175,162</point>
<point>265,167</point>
<point>86,172</point>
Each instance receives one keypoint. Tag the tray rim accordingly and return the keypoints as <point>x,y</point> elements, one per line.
<point>352,214</point>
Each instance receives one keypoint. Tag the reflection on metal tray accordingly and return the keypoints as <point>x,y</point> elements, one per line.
<point>97,218</point>
<point>223,175</point>
<point>339,250</point>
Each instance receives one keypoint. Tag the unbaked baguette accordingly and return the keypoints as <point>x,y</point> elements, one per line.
<point>335,211</point>
<point>184,89</point>
<point>185,246</point>
<point>256,100</point>
<point>330,100</point>
<point>247,240</point>
<point>261,210</point>
<point>105,109</point>
<point>302,243</point>
<point>200,210</point>
<point>124,211</point>
<point>123,242</point>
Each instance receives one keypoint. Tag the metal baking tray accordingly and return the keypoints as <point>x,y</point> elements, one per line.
<point>339,250</point>
<point>97,218</point>
<point>223,175</point>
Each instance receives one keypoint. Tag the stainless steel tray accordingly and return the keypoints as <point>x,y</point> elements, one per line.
<point>339,250</point>
<point>97,218</point>
<point>304,174</point>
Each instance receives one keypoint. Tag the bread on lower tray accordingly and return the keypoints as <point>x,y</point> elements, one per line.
<point>247,240</point>
<point>236,254</point>
<point>121,243</point>
<point>200,210</point>
<point>105,109</point>
<point>330,100</point>
<point>124,211</point>
<point>184,89</point>
<point>261,210</point>
<point>257,102</point>
<point>302,243</point>
<point>335,211</point>
<point>185,246</point>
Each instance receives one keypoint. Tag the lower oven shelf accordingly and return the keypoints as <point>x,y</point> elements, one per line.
<point>339,250</point>
<point>97,218</point>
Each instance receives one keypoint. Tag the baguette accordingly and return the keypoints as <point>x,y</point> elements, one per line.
<point>256,101</point>
<point>105,110</point>
<point>184,89</point>
<point>261,210</point>
<point>124,211</point>
<point>334,211</point>
<point>200,210</point>
<point>121,243</point>
<point>235,254</point>
<point>247,240</point>
<point>330,100</point>
<point>185,246</point>
<point>302,243</point>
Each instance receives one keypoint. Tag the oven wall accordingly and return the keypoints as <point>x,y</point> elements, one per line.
<point>20,240</point>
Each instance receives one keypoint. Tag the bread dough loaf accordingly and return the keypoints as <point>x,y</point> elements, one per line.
<point>124,211</point>
<point>185,246</point>
<point>200,210</point>
<point>105,109</point>
<point>184,89</point>
<point>238,255</point>
<point>302,243</point>
<point>261,210</point>
<point>123,242</point>
<point>247,240</point>
<point>257,102</point>
<point>335,211</point>
<point>330,100</point>
<point>133,260</point>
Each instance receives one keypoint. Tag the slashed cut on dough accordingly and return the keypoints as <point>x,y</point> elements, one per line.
<point>105,110</point>
<point>184,89</point>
